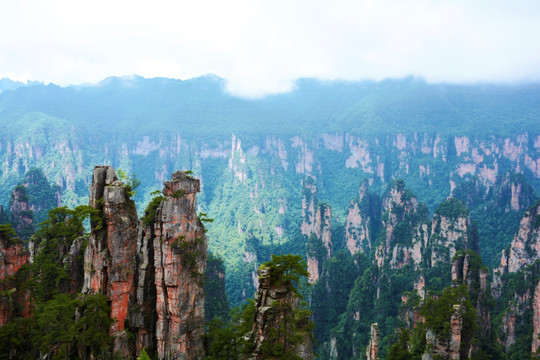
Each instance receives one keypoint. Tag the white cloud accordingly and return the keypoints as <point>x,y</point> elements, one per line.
<point>262,46</point>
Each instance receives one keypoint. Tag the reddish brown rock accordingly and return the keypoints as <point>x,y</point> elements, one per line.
<point>109,257</point>
<point>180,252</point>
<point>13,255</point>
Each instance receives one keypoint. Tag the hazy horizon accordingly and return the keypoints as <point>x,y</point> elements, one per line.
<point>263,48</point>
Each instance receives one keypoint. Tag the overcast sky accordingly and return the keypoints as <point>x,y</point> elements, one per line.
<point>261,47</point>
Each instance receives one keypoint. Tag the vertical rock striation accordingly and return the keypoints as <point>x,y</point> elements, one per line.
<point>22,216</point>
<point>359,223</point>
<point>275,325</point>
<point>151,271</point>
<point>317,227</point>
<point>372,351</point>
<point>110,255</point>
<point>180,252</point>
<point>13,255</point>
<point>521,264</point>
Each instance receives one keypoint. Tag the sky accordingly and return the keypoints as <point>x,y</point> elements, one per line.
<point>262,46</point>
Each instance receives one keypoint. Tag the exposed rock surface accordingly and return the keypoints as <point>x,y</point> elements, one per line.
<point>317,227</point>
<point>447,348</point>
<point>180,252</point>
<point>372,351</point>
<point>22,216</point>
<point>406,233</point>
<point>274,309</point>
<point>151,272</point>
<point>358,226</point>
<point>13,255</point>
<point>520,261</point>
<point>448,234</point>
<point>536,320</point>
<point>525,247</point>
<point>110,265</point>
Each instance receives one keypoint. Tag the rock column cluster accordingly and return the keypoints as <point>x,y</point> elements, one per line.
<point>151,271</point>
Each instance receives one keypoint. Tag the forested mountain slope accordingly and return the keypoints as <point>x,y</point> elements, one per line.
<point>255,157</point>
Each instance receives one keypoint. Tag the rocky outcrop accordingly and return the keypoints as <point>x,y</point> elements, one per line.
<point>536,320</point>
<point>372,350</point>
<point>449,231</point>
<point>142,311</point>
<point>359,222</point>
<point>22,216</point>
<point>467,269</point>
<point>447,348</point>
<point>109,266</point>
<point>523,251</point>
<point>151,271</point>
<point>404,222</point>
<point>317,228</point>
<point>180,252</point>
<point>275,305</point>
<point>13,255</point>
<point>456,324</point>
<point>525,247</point>
<point>31,200</point>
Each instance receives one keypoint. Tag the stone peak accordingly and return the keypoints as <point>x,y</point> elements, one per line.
<point>181,181</point>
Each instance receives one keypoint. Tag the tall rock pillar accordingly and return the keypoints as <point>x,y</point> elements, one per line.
<point>372,351</point>
<point>180,252</point>
<point>109,264</point>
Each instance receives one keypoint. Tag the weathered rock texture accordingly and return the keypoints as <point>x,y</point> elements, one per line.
<point>151,272</point>
<point>317,227</point>
<point>109,266</point>
<point>467,269</point>
<point>22,216</point>
<point>525,247</point>
<point>447,348</point>
<point>360,223</point>
<point>180,252</point>
<point>520,262</point>
<point>275,303</point>
<point>372,351</point>
<point>536,320</point>
<point>406,230</point>
<point>13,301</point>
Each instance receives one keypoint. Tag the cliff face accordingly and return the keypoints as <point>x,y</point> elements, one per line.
<point>372,350</point>
<point>109,266</point>
<point>406,233</point>
<point>536,320</point>
<point>516,282</point>
<point>317,228</point>
<point>275,305</point>
<point>30,202</point>
<point>180,252</point>
<point>22,216</point>
<point>448,234</point>
<point>525,247</point>
<point>359,223</point>
<point>13,255</point>
<point>151,272</point>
